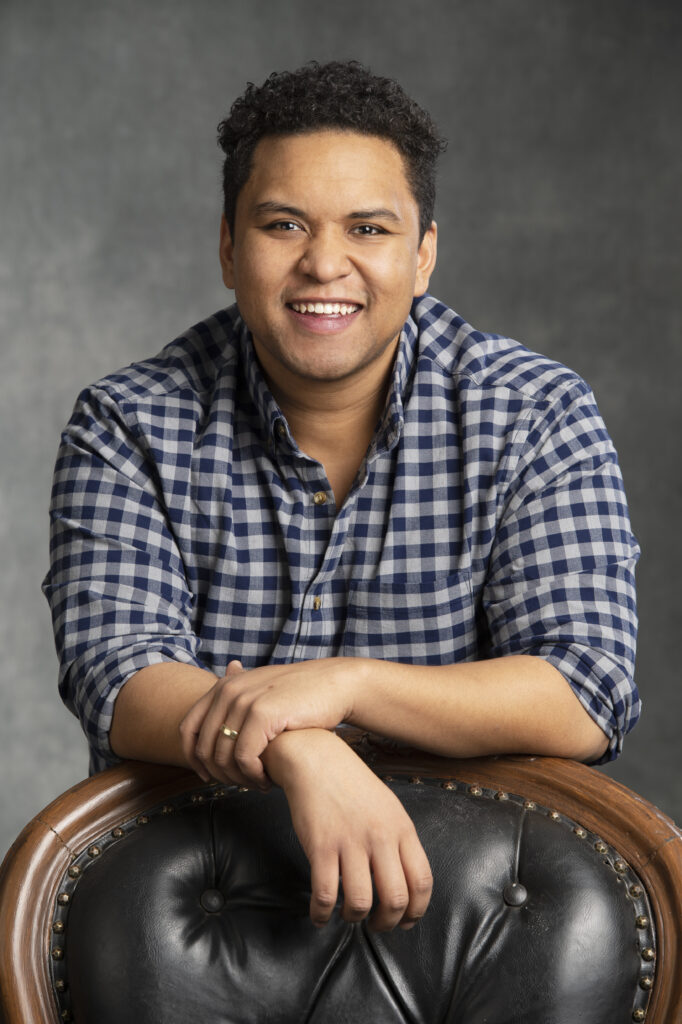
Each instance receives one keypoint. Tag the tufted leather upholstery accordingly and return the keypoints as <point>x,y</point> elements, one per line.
<point>201,914</point>
<point>195,908</point>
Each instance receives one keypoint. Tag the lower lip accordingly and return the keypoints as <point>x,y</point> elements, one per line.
<point>319,323</point>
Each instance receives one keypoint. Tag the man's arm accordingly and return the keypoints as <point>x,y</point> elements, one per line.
<point>505,705</point>
<point>349,823</point>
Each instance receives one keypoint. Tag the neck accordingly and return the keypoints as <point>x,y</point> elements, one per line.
<point>334,421</point>
<point>320,411</point>
<point>333,411</point>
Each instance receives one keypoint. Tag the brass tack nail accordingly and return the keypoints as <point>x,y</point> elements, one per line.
<point>74,871</point>
<point>166,809</point>
<point>197,798</point>
<point>648,954</point>
<point>555,816</point>
<point>143,820</point>
<point>94,851</point>
<point>580,832</point>
<point>243,789</point>
<point>57,953</point>
<point>501,795</point>
<point>63,899</point>
<point>58,927</point>
<point>620,866</point>
<point>639,1015</point>
<point>475,790</point>
<point>646,983</point>
<point>220,792</point>
<point>636,891</point>
<point>117,833</point>
<point>415,780</point>
<point>60,985</point>
<point>600,847</point>
<point>642,921</point>
<point>529,805</point>
<point>449,784</point>
<point>388,778</point>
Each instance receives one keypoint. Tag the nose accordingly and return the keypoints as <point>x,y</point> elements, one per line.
<point>325,257</point>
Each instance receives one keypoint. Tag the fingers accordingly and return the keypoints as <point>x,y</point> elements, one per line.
<point>207,749</point>
<point>403,888</point>
<point>393,895</point>
<point>324,885</point>
<point>419,880</point>
<point>189,731</point>
<point>402,880</point>
<point>357,884</point>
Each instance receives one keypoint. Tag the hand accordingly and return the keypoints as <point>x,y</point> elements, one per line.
<point>350,825</point>
<point>259,705</point>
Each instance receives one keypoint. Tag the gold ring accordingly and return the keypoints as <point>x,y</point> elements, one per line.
<point>230,733</point>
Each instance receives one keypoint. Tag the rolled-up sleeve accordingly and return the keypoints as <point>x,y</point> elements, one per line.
<point>561,580</point>
<point>116,586</point>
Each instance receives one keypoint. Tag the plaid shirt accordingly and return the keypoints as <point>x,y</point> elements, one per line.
<point>487,519</point>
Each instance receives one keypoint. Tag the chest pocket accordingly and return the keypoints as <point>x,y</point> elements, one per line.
<point>430,622</point>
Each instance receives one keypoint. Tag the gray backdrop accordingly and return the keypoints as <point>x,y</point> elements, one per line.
<point>559,217</point>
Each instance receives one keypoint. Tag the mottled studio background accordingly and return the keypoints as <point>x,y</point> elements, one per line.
<point>559,215</point>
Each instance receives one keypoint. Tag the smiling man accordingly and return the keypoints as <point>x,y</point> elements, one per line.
<point>338,502</point>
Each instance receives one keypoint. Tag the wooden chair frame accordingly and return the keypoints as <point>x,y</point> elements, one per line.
<point>31,872</point>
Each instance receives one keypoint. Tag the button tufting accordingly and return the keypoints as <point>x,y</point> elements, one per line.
<point>212,900</point>
<point>515,894</point>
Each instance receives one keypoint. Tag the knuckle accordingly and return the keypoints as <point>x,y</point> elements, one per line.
<point>221,756</point>
<point>202,752</point>
<point>423,883</point>
<point>397,902</point>
<point>243,761</point>
<point>359,906</point>
<point>240,701</point>
<point>324,899</point>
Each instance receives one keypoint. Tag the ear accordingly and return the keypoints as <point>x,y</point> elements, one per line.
<point>426,259</point>
<point>226,253</point>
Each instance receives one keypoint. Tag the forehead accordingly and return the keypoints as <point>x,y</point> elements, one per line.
<point>335,166</point>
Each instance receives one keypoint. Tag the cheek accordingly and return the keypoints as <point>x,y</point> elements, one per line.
<point>253,280</point>
<point>396,274</point>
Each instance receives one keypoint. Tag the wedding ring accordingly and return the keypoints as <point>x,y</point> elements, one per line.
<point>230,733</point>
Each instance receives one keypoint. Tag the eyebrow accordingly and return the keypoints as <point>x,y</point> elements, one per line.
<point>378,213</point>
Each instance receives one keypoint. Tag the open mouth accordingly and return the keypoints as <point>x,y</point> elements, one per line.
<point>325,308</point>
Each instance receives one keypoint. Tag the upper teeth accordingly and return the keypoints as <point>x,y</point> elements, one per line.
<point>327,308</point>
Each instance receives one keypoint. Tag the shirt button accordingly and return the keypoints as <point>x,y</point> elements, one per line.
<point>281,429</point>
<point>317,604</point>
<point>320,497</point>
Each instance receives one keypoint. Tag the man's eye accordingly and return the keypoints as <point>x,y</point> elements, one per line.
<point>368,229</point>
<point>283,225</point>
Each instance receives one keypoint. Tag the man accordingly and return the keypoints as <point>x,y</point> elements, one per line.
<point>337,502</point>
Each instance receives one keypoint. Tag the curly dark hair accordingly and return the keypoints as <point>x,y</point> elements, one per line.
<point>340,94</point>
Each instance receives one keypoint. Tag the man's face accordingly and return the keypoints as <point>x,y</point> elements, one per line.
<point>326,256</point>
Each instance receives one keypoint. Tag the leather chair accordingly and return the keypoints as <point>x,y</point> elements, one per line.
<point>143,896</point>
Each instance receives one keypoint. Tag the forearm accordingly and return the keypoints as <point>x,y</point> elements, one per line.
<point>516,704</point>
<point>150,708</point>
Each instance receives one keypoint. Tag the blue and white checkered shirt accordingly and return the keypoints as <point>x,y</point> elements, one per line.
<point>488,518</point>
